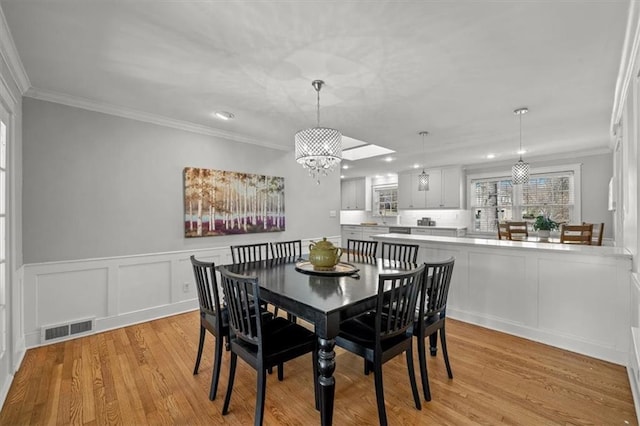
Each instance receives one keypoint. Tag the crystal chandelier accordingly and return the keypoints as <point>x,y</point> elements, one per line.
<point>423,178</point>
<point>520,170</point>
<point>318,149</point>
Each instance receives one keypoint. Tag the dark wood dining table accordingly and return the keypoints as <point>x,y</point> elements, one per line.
<point>323,300</point>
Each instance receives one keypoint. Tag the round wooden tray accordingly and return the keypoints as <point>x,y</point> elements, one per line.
<point>341,269</point>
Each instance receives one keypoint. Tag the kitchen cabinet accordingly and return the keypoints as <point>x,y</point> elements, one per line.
<point>369,231</point>
<point>408,195</point>
<point>438,232</point>
<point>350,233</point>
<point>352,194</point>
<point>445,190</point>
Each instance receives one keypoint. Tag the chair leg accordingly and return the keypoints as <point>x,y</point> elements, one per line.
<point>443,341</point>
<point>423,369</point>
<point>280,372</point>
<point>275,311</point>
<point>216,369</point>
<point>316,390</point>
<point>200,346</point>
<point>366,368</point>
<point>262,388</point>
<point>433,343</point>
<point>412,377</point>
<point>382,412</point>
<point>232,375</point>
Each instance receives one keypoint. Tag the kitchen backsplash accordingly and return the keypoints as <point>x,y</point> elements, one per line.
<point>409,217</point>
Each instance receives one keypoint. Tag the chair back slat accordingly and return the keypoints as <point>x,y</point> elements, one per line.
<point>503,231</point>
<point>250,252</point>
<point>240,292</point>
<point>400,252</point>
<point>576,234</point>
<point>396,302</point>
<point>282,249</point>
<point>517,230</point>
<point>436,283</point>
<point>361,250</point>
<point>598,232</point>
<point>206,285</point>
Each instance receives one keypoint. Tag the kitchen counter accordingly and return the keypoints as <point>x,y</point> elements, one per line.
<point>569,296</point>
<point>389,225</point>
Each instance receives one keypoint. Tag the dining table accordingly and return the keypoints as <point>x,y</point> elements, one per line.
<point>324,299</point>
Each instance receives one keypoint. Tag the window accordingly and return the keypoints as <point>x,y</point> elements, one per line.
<point>550,191</point>
<point>385,201</point>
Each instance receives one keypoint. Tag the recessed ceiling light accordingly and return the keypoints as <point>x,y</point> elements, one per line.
<point>416,166</point>
<point>388,159</point>
<point>490,156</point>
<point>341,176</point>
<point>345,166</point>
<point>522,151</point>
<point>223,115</point>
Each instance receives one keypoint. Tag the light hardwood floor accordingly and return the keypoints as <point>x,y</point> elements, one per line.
<point>142,375</point>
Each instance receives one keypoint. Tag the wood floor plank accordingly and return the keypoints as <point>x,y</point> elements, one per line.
<point>143,375</point>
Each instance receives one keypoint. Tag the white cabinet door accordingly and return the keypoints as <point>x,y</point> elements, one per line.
<point>350,233</point>
<point>434,194</point>
<point>452,188</point>
<point>408,195</point>
<point>352,194</point>
<point>368,232</point>
<point>421,231</point>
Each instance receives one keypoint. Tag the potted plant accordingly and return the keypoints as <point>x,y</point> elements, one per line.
<point>544,225</point>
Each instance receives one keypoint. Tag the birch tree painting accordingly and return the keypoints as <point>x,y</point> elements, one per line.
<point>218,202</point>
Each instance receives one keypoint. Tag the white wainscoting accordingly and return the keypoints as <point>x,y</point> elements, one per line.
<point>633,366</point>
<point>116,291</point>
<point>571,298</point>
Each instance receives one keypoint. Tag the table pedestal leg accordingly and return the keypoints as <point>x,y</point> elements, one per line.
<point>326,381</point>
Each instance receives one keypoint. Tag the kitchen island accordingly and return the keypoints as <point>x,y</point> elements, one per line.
<point>569,296</point>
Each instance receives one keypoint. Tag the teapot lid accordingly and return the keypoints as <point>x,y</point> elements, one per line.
<point>324,244</point>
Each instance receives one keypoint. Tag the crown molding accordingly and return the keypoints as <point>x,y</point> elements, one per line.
<point>9,54</point>
<point>132,114</point>
<point>628,65</point>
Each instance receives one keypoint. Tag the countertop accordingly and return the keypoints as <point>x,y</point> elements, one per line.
<point>388,225</point>
<point>602,251</point>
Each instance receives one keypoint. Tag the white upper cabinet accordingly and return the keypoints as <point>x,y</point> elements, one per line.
<point>353,194</point>
<point>445,190</point>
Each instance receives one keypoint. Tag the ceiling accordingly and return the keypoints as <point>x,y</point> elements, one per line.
<point>457,69</point>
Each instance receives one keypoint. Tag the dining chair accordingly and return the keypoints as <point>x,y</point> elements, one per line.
<point>282,249</point>
<point>400,252</point>
<point>286,249</point>
<point>431,316</point>
<point>249,252</point>
<point>214,317</point>
<point>518,230</point>
<point>576,234</point>
<point>598,232</point>
<point>261,344</point>
<point>379,336</point>
<point>361,249</point>
<point>503,231</point>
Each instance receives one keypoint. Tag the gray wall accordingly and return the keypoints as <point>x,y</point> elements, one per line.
<point>596,172</point>
<point>97,185</point>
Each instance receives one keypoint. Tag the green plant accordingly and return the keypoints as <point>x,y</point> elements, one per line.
<point>544,223</point>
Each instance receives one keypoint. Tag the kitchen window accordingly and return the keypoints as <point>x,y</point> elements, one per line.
<point>552,191</point>
<point>385,200</point>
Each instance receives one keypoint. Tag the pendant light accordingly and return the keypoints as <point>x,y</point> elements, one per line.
<point>423,178</point>
<point>318,149</point>
<point>520,170</point>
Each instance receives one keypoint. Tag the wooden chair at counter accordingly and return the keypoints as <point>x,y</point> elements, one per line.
<point>358,250</point>
<point>518,230</point>
<point>598,232</point>
<point>576,234</point>
<point>503,231</point>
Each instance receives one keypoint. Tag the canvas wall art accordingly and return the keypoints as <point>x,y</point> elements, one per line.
<point>219,202</point>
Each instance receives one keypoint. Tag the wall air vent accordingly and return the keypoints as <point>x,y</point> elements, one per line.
<point>60,331</point>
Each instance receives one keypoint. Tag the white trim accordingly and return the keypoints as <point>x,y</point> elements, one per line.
<point>10,55</point>
<point>132,114</point>
<point>627,66</point>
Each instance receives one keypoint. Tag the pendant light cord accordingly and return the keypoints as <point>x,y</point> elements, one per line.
<point>520,152</point>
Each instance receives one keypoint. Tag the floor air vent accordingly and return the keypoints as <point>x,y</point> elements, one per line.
<point>60,331</point>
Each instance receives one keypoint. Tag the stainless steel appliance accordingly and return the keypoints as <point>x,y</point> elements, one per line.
<point>399,230</point>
